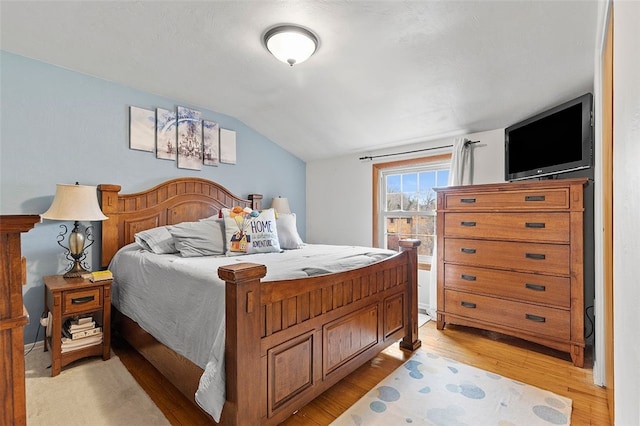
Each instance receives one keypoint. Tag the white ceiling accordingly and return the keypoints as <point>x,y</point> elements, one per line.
<point>387,73</point>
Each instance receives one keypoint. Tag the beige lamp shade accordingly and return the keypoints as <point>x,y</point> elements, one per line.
<point>281,205</point>
<point>74,202</point>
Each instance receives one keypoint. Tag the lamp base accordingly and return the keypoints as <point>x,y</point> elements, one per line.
<point>76,271</point>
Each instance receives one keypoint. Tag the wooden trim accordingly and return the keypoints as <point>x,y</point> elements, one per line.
<point>13,317</point>
<point>607,212</point>
<point>377,170</point>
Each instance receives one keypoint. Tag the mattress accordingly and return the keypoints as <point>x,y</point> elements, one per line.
<point>180,301</point>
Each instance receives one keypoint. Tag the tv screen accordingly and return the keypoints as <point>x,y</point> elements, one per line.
<point>555,141</point>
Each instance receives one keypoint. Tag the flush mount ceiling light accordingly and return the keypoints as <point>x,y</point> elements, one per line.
<point>291,44</point>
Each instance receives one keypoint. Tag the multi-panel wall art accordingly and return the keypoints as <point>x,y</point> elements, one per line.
<point>182,136</point>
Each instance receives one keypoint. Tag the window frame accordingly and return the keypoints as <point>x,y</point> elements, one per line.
<point>378,170</point>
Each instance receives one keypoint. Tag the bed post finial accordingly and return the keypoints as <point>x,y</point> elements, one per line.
<point>109,206</point>
<point>256,201</point>
<point>410,340</point>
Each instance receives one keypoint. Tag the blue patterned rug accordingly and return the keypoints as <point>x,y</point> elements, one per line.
<point>432,390</point>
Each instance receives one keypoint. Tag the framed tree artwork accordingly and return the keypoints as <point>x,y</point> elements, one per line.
<point>189,139</point>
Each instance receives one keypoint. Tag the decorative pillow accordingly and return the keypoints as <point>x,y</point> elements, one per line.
<point>288,232</point>
<point>203,238</point>
<point>156,240</point>
<point>249,231</point>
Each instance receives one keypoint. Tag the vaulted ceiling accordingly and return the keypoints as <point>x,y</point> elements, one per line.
<point>387,73</point>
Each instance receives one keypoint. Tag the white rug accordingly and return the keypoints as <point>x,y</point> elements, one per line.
<point>88,392</point>
<point>432,390</point>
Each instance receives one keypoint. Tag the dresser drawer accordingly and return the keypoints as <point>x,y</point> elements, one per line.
<point>556,198</point>
<point>552,227</point>
<point>542,289</point>
<point>550,322</point>
<point>530,257</point>
<point>81,300</point>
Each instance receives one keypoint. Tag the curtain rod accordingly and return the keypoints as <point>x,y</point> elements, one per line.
<point>369,157</point>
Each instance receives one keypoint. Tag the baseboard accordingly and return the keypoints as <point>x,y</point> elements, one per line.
<point>33,346</point>
<point>426,309</point>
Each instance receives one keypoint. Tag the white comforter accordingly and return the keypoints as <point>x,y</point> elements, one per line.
<point>180,300</point>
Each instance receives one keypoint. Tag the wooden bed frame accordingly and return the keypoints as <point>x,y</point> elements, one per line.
<point>286,341</point>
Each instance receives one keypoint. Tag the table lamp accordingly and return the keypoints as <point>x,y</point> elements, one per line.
<point>77,203</point>
<point>280,205</point>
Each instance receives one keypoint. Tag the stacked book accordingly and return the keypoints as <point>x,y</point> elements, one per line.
<point>79,333</point>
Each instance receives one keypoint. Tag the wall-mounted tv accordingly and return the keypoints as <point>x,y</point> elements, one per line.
<point>555,141</point>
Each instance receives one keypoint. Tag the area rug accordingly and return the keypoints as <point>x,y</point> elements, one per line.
<point>432,390</point>
<point>89,392</point>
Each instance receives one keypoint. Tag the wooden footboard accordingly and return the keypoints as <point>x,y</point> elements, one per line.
<point>286,341</point>
<point>311,332</point>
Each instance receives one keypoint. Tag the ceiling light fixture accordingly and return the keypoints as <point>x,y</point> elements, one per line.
<point>291,44</point>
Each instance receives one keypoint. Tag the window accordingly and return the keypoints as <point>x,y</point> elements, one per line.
<point>406,202</point>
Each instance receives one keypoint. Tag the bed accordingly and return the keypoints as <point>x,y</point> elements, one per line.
<point>286,340</point>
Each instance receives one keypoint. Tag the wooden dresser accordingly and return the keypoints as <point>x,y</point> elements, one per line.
<point>511,260</point>
<point>13,318</point>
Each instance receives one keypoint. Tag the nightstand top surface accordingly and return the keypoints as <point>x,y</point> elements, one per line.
<point>59,283</point>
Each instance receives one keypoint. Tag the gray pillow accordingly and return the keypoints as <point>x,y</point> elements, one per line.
<point>156,240</point>
<point>203,238</point>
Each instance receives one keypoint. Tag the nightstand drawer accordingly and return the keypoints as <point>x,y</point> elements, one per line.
<point>82,300</point>
<point>522,199</point>
<point>541,227</point>
<point>535,319</point>
<point>526,257</point>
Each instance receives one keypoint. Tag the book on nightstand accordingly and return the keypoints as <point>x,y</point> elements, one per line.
<point>82,333</point>
<point>69,345</point>
<point>101,275</point>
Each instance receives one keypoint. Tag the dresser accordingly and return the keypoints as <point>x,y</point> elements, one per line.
<point>510,260</point>
<point>13,318</point>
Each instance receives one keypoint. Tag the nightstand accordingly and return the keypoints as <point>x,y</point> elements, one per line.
<point>76,297</point>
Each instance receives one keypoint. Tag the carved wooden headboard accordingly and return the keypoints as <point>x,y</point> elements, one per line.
<point>174,201</point>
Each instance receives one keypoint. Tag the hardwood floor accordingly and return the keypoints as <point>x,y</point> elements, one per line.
<point>510,357</point>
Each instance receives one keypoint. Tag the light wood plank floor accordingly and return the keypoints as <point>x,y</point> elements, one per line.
<point>509,357</point>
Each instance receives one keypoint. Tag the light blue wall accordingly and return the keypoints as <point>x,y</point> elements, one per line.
<point>60,126</point>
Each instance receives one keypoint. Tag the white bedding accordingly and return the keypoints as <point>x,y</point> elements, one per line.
<point>180,301</point>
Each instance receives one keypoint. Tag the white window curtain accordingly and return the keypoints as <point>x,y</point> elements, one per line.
<point>459,174</point>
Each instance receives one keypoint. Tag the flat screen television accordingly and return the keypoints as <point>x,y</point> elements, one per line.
<point>555,141</point>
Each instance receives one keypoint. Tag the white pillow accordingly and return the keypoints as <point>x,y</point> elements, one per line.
<point>288,232</point>
<point>249,231</point>
<point>156,240</point>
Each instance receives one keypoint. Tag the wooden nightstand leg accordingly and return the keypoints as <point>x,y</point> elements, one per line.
<point>106,322</point>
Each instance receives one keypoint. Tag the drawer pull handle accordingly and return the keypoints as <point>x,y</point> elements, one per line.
<point>468,223</point>
<point>534,198</point>
<point>468,277</point>
<point>468,200</point>
<point>468,250</point>
<point>80,300</point>
<point>535,318</point>
<point>536,287</point>
<point>538,225</point>
<point>536,256</point>
<point>468,305</point>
